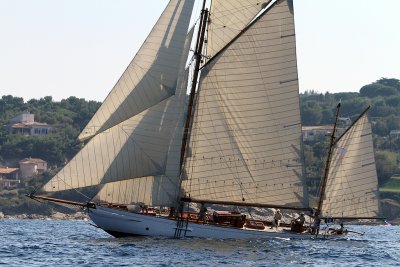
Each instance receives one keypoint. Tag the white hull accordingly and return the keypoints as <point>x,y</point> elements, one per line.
<point>121,223</point>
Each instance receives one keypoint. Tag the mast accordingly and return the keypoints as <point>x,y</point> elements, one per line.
<point>198,51</point>
<point>328,162</point>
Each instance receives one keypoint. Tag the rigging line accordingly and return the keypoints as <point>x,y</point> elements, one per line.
<point>249,212</point>
<point>118,140</point>
<point>328,161</point>
<point>176,131</point>
<point>343,173</point>
<point>231,11</point>
<point>199,48</point>
<point>274,120</point>
<point>133,190</point>
<point>261,14</point>
<point>355,193</point>
<point>191,142</point>
<point>72,188</point>
<point>67,185</point>
<point>96,160</point>
<point>351,126</point>
<point>172,194</point>
<point>136,144</point>
<point>236,12</point>
<point>191,139</point>
<point>90,169</point>
<point>129,89</point>
<point>124,90</point>
<point>231,135</point>
<point>119,143</point>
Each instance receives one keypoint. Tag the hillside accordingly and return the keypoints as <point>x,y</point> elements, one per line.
<point>384,98</point>
<point>70,115</point>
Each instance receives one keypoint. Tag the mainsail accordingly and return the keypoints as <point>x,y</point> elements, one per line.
<point>246,134</point>
<point>352,186</point>
<point>151,76</point>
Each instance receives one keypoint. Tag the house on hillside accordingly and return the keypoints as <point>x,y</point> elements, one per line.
<point>25,124</point>
<point>30,167</point>
<point>9,177</point>
<point>310,133</point>
<point>394,133</point>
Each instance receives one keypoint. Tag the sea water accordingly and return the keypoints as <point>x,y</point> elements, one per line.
<point>78,243</point>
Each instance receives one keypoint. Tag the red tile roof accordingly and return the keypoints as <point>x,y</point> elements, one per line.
<point>7,170</point>
<point>31,160</point>
<point>27,124</point>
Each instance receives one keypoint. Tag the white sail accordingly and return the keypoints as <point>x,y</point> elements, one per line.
<point>227,19</point>
<point>151,76</point>
<point>161,190</point>
<point>145,145</point>
<point>245,140</point>
<point>352,185</point>
<point>134,148</point>
<point>151,190</point>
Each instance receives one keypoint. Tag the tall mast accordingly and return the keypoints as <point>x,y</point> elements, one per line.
<point>328,163</point>
<point>198,51</point>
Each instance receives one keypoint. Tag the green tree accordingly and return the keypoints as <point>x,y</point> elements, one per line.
<point>379,127</point>
<point>390,82</point>
<point>393,101</point>
<point>386,165</point>
<point>327,116</point>
<point>377,89</point>
<point>311,113</point>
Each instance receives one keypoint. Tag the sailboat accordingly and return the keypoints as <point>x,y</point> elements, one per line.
<point>234,141</point>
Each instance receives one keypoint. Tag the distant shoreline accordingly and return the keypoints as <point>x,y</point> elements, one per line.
<point>55,216</point>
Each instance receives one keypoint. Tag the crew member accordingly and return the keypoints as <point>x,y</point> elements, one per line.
<point>277,218</point>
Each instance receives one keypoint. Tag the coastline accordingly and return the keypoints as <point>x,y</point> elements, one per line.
<point>53,216</point>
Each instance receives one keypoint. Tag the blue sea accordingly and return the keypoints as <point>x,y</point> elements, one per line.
<point>78,243</point>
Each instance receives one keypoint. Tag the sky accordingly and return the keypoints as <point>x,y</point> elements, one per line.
<point>63,48</point>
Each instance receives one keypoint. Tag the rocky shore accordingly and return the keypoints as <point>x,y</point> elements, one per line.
<point>53,216</point>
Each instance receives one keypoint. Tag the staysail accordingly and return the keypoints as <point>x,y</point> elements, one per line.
<point>151,76</point>
<point>352,185</point>
<point>159,190</point>
<point>246,134</point>
<point>134,148</point>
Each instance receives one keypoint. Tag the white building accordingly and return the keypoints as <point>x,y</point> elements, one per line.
<point>25,124</point>
<point>29,167</point>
